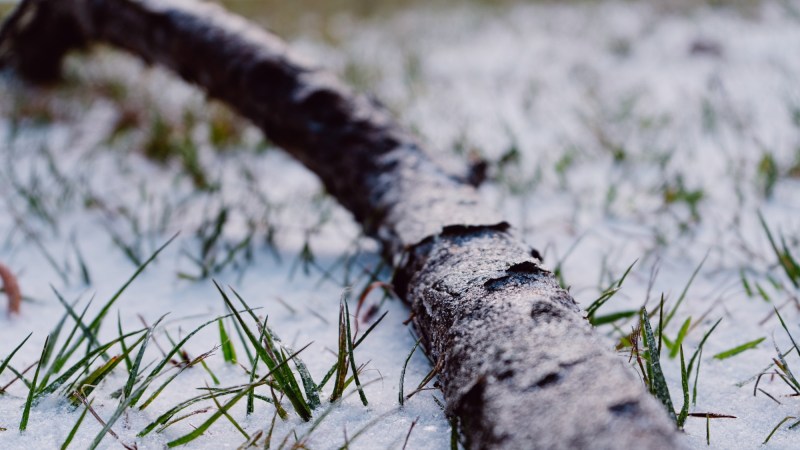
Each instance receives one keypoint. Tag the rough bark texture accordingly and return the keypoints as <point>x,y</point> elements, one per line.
<point>522,367</point>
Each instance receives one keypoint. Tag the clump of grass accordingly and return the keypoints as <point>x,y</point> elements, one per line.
<point>768,174</point>
<point>273,354</point>
<point>784,372</point>
<point>786,260</point>
<point>648,357</point>
<point>216,253</point>
<point>676,192</point>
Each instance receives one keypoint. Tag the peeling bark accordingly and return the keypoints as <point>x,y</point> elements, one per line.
<point>522,367</point>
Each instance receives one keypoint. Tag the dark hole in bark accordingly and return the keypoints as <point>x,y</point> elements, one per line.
<point>545,312</point>
<point>625,409</point>
<point>508,373</point>
<point>524,268</point>
<point>548,380</point>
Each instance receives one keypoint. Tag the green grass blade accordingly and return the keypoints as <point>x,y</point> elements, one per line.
<point>352,356</point>
<point>75,427</point>
<point>658,386</point>
<point>683,294</point>
<point>82,363</point>
<point>64,353</point>
<point>341,359</point>
<point>220,411</point>
<point>98,320</point>
<point>23,423</point>
<point>739,349</point>
<point>676,346</point>
<point>783,324</point>
<point>784,258</point>
<point>87,332</point>
<point>166,359</point>
<point>400,396</point>
<point>702,343</point>
<point>134,372</point>
<point>685,387</point>
<point>228,352</point>
<point>607,295</point>
<point>613,317</point>
<point>128,362</point>
<point>355,346</point>
<point>13,352</point>
<point>282,375</point>
<point>785,419</point>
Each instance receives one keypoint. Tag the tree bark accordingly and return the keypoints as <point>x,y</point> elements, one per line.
<point>522,368</point>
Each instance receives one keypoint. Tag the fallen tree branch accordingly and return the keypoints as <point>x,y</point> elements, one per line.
<point>521,367</point>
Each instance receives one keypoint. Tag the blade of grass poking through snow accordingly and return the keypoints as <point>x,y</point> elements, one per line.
<point>228,416</point>
<point>352,356</point>
<point>290,388</point>
<point>606,296</point>
<point>658,384</point>
<point>87,333</point>
<point>358,342</point>
<point>23,423</point>
<point>75,427</point>
<point>95,324</point>
<point>134,372</point>
<point>785,258</point>
<point>785,419</point>
<point>165,417</point>
<point>54,335</point>
<point>783,324</point>
<point>130,394</point>
<point>613,317</point>
<point>64,353</point>
<point>228,352</point>
<point>281,372</point>
<point>81,364</point>
<point>128,363</point>
<point>302,441</point>
<point>400,396</point>
<point>676,346</point>
<point>312,391</point>
<point>739,349</point>
<point>685,388</point>
<point>685,291</point>
<point>88,383</point>
<point>164,361</point>
<point>5,362</point>
<point>218,413</point>
<point>341,360</point>
<point>251,395</point>
<point>697,354</point>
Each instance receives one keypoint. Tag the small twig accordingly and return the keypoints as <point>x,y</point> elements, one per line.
<point>410,429</point>
<point>11,287</point>
<point>17,377</point>
<point>79,396</point>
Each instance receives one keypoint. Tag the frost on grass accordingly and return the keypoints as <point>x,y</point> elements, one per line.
<point>614,133</point>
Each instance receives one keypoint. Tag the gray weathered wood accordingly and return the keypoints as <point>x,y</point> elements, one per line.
<point>522,368</point>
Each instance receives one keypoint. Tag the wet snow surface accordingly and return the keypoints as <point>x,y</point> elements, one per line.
<point>616,132</point>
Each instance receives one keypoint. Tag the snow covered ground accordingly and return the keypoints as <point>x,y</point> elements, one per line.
<point>616,132</point>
